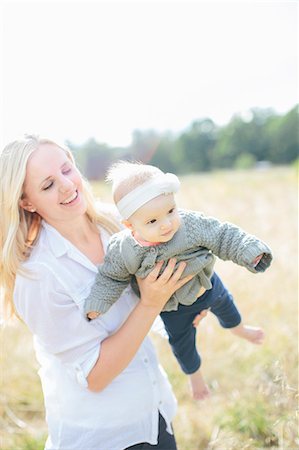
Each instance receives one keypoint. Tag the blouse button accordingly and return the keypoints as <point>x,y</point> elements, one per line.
<point>153,250</point>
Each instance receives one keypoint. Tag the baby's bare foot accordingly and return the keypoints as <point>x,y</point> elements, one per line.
<point>252,334</point>
<point>199,388</point>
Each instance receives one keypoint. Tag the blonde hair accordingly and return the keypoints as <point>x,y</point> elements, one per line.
<point>19,229</point>
<point>126,176</point>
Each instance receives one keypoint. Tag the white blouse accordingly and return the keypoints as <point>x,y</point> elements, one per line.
<point>67,346</point>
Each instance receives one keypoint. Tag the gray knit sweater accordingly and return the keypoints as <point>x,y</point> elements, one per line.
<point>197,240</point>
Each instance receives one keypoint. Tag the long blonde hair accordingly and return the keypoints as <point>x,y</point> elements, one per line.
<point>19,229</point>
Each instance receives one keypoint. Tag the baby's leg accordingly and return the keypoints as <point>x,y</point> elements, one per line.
<point>182,335</point>
<point>199,388</point>
<point>229,317</point>
<point>255,335</point>
<point>184,348</point>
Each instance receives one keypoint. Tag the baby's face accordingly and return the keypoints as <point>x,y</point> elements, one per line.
<point>156,221</point>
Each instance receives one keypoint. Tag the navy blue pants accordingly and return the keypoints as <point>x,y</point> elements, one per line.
<point>166,441</point>
<point>182,333</point>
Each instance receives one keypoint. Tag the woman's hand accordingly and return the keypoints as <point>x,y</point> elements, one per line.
<point>156,290</point>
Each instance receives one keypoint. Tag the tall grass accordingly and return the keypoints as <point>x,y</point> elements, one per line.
<point>254,388</point>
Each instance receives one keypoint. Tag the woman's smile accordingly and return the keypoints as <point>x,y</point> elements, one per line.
<point>71,199</point>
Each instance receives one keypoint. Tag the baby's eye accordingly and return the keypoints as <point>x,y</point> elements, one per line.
<point>152,221</point>
<point>66,171</point>
<point>171,210</point>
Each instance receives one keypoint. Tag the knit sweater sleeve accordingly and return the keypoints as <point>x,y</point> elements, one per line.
<point>111,280</point>
<point>228,241</point>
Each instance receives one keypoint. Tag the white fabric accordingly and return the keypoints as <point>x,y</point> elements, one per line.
<point>67,346</point>
<point>167,183</point>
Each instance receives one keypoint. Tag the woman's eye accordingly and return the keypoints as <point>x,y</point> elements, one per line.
<point>48,186</point>
<point>152,221</point>
<point>65,171</point>
<point>171,211</point>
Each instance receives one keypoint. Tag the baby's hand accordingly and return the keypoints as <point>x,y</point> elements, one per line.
<point>93,315</point>
<point>200,316</point>
<point>257,260</point>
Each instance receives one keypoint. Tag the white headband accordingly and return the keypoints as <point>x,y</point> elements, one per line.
<point>166,183</point>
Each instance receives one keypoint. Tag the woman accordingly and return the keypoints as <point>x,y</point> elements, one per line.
<point>102,385</point>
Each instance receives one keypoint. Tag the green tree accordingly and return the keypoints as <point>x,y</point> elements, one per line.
<point>283,137</point>
<point>196,146</point>
<point>256,136</point>
<point>95,159</point>
<point>167,155</point>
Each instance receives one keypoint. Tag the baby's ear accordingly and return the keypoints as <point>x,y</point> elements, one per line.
<point>127,224</point>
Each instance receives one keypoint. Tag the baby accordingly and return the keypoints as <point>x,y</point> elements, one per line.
<point>157,231</point>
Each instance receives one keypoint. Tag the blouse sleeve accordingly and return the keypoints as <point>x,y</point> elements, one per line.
<point>56,321</point>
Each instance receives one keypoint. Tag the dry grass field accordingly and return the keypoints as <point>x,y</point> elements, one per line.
<point>254,388</point>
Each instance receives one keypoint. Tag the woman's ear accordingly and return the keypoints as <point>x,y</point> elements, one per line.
<point>127,224</point>
<point>25,204</point>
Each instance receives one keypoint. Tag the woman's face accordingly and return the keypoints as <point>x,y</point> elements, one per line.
<point>53,186</point>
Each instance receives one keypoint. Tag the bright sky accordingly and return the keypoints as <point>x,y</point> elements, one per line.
<point>75,70</point>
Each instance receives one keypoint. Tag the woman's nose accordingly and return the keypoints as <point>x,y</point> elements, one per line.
<point>66,185</point>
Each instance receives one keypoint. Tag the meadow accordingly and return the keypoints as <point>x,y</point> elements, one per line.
<point>254,388</point>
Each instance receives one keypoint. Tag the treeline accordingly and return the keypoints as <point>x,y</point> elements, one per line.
<point>260,135</point>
